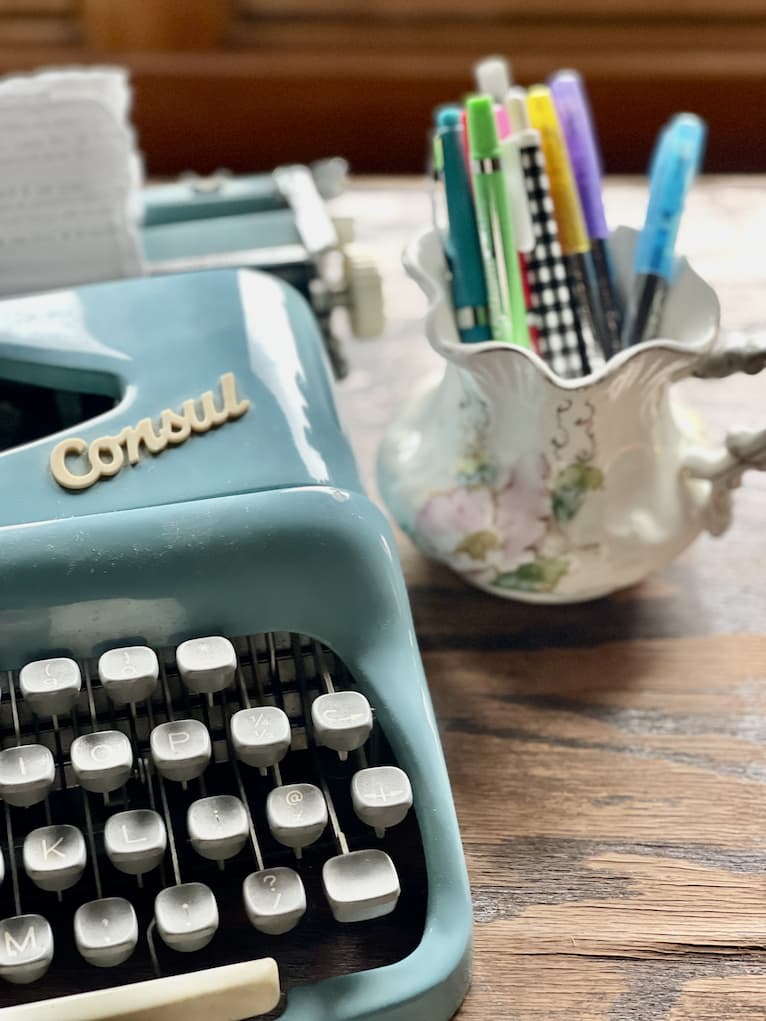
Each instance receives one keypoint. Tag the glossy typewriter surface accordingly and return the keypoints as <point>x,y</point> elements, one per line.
<point>227,615</point>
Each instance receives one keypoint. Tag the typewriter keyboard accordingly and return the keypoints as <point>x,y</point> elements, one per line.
<point>167,810</point>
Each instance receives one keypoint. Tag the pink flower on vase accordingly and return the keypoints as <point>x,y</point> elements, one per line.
<point>522,509</point>
<point>477,529</point>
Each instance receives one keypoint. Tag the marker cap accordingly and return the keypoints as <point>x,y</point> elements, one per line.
<point>574,113</point>
<point>482,129</point>
<point>566,201</point>
<point>516,105</point>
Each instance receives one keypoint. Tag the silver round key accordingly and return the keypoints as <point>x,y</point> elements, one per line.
<point>129,675</point>
<point>296,814</point>
<point>342,720</point>
<point>26,948</point>
<point>207,664</point>
<point>102,762</point>
<point>381,796</point>
<point>275,900</point>
<point>181,750</point>
<point>360,885</point>
<point>186,916</point>
<point>27,774</point>
<point>135,841</point>
<point>50,686</point>
<point>106,931</point>
<point>54,857</point>
<point>261,735</point>
<point>217,826</point>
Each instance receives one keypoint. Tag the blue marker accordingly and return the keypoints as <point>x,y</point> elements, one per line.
<point>469,287</point>
<point>675,163</point>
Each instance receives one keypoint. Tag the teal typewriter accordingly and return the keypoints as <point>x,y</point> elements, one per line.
<point>278,222</point>
<point>222,792</point>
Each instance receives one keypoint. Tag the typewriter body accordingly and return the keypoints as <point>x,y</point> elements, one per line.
<point>222,792</point>
<point>277,222</point>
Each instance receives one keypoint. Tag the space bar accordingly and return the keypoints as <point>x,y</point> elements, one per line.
<point>218,994</point>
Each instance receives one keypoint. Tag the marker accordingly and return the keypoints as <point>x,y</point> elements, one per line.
<point>674,165</point>
<point>498,247</point>
<point>576,120</point>
<point>558,329</point>
<point>493,77</point>
<point>469,287</point>
<point>571,223</point>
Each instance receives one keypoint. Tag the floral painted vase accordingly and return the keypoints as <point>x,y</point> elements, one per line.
<point>546,490</point>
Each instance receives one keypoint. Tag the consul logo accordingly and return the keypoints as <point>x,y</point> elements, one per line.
<point>107,455</point>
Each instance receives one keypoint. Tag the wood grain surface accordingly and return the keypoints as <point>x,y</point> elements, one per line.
<point>608,759</point>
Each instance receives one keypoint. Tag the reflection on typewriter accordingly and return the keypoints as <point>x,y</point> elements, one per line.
<point>222,789</point>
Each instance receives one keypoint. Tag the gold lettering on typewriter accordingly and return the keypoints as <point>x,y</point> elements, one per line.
<point>107,455</point>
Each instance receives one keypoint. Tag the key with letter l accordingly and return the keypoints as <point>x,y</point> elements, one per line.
<point>135,840</point>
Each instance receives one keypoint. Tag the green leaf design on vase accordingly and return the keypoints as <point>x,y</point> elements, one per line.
<point>571,485</point>
<point>540,575</point>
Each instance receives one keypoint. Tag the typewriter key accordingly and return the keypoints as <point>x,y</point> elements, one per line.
<point>297,814</point>
<point>50,686</point>
<point>342,720</point>
<point>217,826</point>
<point>186,915</point>
<point>135,841</point>
<point>381,796</point>
<point>181,750</point>
<point>129,675</point>
<point>206,664</point>
<point>26,774</point>
<point>360,885</point>
<point>26,948</point>
<point>54,856</point>
<point>275,900</point>
<point>103,761</point>
<point>261,736</point>
<point>106,931</point>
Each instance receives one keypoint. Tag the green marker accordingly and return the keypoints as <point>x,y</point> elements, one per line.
<point>507,310</point>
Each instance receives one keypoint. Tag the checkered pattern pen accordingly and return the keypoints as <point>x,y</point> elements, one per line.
<point>566,342</point>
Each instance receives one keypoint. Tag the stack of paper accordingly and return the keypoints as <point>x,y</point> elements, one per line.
<point>69,180</point>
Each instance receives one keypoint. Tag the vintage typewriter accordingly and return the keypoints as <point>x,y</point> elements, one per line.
<point>277,222</point>
<point>222,792</point>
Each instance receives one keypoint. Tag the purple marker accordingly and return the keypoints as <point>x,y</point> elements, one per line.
<point>574,114</point>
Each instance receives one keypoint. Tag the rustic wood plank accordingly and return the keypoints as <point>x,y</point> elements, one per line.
<point>608,760</point>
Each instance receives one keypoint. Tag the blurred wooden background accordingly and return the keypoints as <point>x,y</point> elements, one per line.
<point>248,84</point>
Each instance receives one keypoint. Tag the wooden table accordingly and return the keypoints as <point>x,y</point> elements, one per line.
<point>608,760</point>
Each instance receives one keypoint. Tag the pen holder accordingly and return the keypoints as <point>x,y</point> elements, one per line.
<point>551,491</point>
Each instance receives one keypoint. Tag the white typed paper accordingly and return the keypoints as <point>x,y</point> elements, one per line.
<point>70,180</point>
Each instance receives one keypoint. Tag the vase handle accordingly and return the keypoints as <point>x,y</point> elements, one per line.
<point>743,448</point>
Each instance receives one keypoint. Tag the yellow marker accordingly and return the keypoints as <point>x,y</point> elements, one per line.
<point>573,234</point>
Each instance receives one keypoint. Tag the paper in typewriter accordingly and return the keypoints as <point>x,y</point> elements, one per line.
<point>69,180</point>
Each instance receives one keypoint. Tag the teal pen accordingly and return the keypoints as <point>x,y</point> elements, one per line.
<point>507,307</point>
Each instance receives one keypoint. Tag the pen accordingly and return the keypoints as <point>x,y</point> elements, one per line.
<point>674,165</point>
<point>572,234</point>
<point>469,287</point>
<point>574,114</point>
<point>498,247</point>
